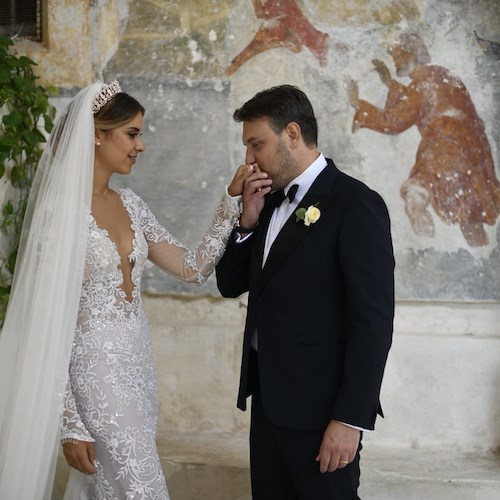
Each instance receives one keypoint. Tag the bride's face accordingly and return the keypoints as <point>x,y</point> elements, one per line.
<point>116,150</point>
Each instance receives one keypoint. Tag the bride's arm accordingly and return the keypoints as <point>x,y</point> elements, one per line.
<point>195,265</point>
<point>77,443</point>
<point>72,427</point>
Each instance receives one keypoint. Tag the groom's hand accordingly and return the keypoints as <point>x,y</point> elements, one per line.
<point>339,446</point>
<point>257,185</point>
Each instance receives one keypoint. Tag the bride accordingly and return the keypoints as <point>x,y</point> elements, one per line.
<point>76,302</point>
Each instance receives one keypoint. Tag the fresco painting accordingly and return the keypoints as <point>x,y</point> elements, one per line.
<point>284,25</point>
<point>425,134</point>
<point>454,171</point>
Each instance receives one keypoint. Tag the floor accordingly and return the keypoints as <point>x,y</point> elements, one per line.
<point>208,469</point>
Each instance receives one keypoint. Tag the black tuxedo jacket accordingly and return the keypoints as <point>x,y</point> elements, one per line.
<point>323,307</point>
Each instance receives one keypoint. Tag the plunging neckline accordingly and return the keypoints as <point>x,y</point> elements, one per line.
<point>130,257</point>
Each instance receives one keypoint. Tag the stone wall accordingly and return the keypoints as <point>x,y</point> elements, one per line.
<point>192,63</point>
<point>441,387</point>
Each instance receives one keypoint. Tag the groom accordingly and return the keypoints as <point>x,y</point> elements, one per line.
<point>318,265</point>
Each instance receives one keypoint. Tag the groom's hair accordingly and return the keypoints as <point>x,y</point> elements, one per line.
<point>281,105</point>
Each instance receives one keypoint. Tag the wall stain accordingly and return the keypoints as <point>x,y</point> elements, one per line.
<point>362,13</point>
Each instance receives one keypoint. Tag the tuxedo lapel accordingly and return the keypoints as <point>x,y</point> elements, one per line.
<point>293,232</point>
<point>260,238</point>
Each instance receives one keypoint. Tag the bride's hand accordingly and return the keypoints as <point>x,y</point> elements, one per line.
<point>238,182</point>
<point>80,455</point>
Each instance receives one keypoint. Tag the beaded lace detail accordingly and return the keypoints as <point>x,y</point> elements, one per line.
<point>111,397</point>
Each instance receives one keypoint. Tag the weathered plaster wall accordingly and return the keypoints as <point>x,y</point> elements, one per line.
<point>441,388</point>
<point>80,38</point>
<point>180,61</point>
<point>192,63</point>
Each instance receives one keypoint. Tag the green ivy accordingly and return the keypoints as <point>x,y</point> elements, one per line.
<point>25,111</point>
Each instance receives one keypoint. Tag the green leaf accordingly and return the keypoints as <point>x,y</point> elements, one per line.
<point>31,137</point>
<point>300,213</point>
<point>12,62</point>
<point>17,176</point>
<point>49,124</point>
<point>27,61</point>
<point>8,209</point>
<point>5,42</point>
<point>21,85</point>
<point>41,101</point>
<point>7,142</point>
<point>13,119</point>
<point>11,261</point>
<point>5,73</point>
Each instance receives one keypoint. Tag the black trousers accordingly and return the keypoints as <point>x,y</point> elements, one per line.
<point>283,465</point>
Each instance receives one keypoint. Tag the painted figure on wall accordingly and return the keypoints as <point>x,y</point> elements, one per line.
<point>454,170</point>
<point>284,25</point>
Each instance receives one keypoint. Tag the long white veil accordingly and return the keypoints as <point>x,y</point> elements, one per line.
<point>36,341</point>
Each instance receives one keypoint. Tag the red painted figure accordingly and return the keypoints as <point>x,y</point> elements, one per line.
<point>454,170</point>
<point>286,26</point>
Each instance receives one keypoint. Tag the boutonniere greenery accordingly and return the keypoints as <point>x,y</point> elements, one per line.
<point>309,215</point>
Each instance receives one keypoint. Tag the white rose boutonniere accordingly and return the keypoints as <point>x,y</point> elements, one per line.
<point>309,215</point>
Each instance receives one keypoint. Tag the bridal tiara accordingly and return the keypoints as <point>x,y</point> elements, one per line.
<point>105,94</point>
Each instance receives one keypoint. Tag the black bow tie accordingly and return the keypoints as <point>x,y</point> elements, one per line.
<point>278,196</point>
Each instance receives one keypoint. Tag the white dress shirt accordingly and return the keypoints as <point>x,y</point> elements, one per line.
<point>286,209</point>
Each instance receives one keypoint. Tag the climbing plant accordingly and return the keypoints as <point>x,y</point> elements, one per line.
<point>25,113</point>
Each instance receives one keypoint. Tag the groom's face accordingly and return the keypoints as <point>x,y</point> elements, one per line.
<point>269,150</point>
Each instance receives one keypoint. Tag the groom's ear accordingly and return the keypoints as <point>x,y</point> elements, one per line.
<point>293,134</point>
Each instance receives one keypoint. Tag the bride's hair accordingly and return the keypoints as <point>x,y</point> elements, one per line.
<point>117,112</point>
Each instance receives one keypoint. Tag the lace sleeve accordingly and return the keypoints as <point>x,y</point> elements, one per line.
<point>72,426</point>
<point>196,265</point>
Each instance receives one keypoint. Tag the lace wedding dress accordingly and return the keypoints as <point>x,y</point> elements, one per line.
<point>111,397</point>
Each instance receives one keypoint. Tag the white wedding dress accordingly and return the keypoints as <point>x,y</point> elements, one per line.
<point>111,397</point>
